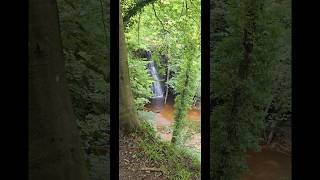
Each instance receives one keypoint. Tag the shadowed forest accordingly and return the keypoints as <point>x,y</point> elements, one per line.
<point>250,89</point>
<point>85,34</point>
<point>69,107</point>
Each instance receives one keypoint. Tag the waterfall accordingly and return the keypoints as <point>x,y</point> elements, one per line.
<point>158,98</point>
<point>157,89</point>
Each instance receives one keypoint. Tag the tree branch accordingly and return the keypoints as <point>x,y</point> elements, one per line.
<point>135,9</point>
<point>155,13</point>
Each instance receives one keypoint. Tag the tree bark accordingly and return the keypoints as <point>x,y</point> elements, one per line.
<point>127,111</point>
<point>54,141</point>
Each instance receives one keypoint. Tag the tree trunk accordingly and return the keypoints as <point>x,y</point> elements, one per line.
<point>167,86</point>
<point>54,141</point>
<point>127,111</point>
<point>239,93</point>
<point>180,111</point>
<point>245,64</point>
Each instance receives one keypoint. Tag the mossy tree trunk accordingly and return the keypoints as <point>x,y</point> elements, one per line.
<point>186,87</point>
<point>127,111</point>
<point>181,112</point>
<point>54,141</point>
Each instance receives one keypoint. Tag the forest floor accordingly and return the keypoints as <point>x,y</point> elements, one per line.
<point>134,166</point>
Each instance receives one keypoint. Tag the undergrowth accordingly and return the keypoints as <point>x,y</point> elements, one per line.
<point>176,162</point>
<point>194,126</point>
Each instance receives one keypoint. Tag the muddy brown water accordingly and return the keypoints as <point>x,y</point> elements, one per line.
<point>268,165</point>
<point>168,113</point>
<point>165,117</point>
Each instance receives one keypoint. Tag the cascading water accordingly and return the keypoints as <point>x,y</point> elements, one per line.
<point>157,101</point>
<point>157,89</point>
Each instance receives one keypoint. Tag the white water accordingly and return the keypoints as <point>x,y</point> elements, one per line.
<point>157,89</point>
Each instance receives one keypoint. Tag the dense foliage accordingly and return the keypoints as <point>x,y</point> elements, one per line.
<point>250,54</point>
<point>171,31</point>
<point>85,35</point>
<point>166,32</point>
<point>140,81</point>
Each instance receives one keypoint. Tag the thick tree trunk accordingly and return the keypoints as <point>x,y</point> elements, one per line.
<point>54,142</point>
<point>127,111</point>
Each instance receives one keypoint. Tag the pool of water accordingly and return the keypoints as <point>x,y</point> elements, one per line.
<point>168,113</point>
